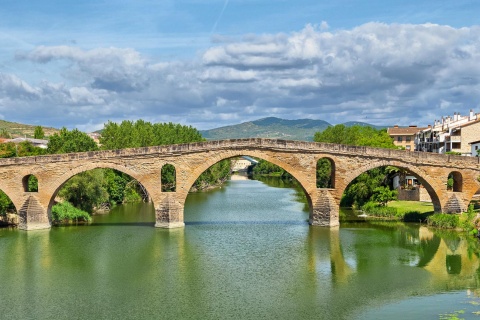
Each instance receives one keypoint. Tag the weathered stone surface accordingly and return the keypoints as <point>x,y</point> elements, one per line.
<point>297,157</point>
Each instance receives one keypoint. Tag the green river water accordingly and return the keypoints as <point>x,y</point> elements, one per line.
<point>246,252</point>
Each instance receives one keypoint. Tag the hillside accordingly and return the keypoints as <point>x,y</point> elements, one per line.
<point>302,129</point>
<point>21,130</point>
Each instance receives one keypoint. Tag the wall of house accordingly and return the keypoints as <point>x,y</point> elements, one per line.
<point>470,133</point>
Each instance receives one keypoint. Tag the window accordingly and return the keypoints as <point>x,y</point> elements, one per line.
<point>408,147</point>
<point>408,139</point>
<point>399,139</point>
<point>476,147</point>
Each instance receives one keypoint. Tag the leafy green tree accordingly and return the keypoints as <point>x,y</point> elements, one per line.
<point>382,195</point>
<point>85,190</point>
<point>70,141</point>
<point>38,133</point>
<point>356,136</point>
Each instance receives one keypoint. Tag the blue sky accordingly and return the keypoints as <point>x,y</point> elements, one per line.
<point>214,63</point>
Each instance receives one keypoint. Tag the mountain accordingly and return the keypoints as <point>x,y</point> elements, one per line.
<point>22,130</point>
<point>362,124</point>
<point>271,127</point>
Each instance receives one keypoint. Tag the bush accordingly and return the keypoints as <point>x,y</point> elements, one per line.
<point>65,212</point>
<point>443,220</point>
<point>379,211</point>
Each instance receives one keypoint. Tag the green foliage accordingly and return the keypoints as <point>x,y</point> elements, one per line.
<point>356,136</point>
<point>32,184</point>
<point>382,195</point>
<point>361,189</point>
<point>213,175</point>
<point>5,204</point>
<point>8,150</point>
<point>23,149</point>
<point>264,167</point>
<point>70,141</point>
<point>466,220</point>
<point>168,178</point>
<point>130,134</point>
<point>5,134</point>
<point>450,182</point>
<point>324,173</point>
<point>65,212</point>
<point>374,209</point>
<point>38,133</point>
<point>443,220</point>
<point>85,190</point>
<point>455,153</point>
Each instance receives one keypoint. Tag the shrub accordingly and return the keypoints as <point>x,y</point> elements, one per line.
<point>379,211</point>
<point>66,212</point>
<point>443,220</point>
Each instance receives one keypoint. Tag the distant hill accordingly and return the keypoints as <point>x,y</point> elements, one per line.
<point>271,127</point>
<point>22,130</point>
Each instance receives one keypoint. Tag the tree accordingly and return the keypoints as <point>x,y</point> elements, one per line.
<point>70,141</point>
<point>382,195</point>
<point>38,133</point>
<point>85,190</point>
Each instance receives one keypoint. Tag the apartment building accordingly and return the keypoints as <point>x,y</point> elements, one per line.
<point>404,138</point>
<point>450,134</point>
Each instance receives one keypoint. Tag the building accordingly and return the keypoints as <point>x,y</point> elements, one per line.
<point>404,138</point>
<point>41,143</point>
<point>450,134</point>
<point>242,164</point>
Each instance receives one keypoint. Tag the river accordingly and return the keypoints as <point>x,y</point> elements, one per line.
<point>246,252</point>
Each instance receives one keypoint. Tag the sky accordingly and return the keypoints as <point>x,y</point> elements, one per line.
<point>79,64</point>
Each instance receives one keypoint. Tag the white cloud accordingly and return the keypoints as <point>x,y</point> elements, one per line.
<point>379,73</point>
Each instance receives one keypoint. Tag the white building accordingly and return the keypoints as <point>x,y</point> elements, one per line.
<point>450,134</point>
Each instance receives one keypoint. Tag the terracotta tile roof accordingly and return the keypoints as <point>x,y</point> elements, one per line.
<point>397,131</point>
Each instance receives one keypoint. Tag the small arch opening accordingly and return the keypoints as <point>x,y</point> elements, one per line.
<point>168,178</point>
<point>325,173</point>
<point>30,183</point>
<point>455,182</point>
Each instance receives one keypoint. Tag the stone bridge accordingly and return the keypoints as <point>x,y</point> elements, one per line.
<point>190,160</point>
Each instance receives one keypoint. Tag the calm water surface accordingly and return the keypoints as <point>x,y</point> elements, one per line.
<point>246,252</point>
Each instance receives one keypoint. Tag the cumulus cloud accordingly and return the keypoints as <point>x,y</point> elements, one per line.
<point>378,73</point>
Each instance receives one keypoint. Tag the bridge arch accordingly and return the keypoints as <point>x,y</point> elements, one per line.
<point>305,182</point>
<point>67,175</point>
<point>430,185</point>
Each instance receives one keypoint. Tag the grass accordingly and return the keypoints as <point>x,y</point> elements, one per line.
<point>411,206</point>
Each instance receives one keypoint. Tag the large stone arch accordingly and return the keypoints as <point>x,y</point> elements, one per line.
<point>212,159</point>
<point>431,186</point>
<point>56,184</point>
